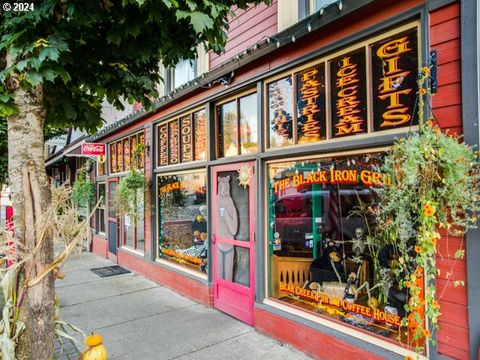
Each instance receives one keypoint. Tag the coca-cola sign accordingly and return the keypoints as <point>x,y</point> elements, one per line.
<point>93,149</point>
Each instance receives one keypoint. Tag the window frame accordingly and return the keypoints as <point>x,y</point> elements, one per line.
<point>343,328</point>
<point>165,122</point>
<point>363,44</point>
<point>101,207</point>
<point>120,142</point>
<point>235,98</point>
<point>156,252</point>
<point>170,75</point>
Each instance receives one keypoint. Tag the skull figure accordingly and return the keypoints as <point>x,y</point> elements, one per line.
<point>358,244</point>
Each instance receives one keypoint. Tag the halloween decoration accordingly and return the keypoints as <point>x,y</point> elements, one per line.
<point>96,350</point>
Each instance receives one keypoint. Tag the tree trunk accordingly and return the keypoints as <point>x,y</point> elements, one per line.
<point>30,190</point>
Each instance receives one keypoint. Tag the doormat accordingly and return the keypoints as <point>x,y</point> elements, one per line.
<point>110,271</point>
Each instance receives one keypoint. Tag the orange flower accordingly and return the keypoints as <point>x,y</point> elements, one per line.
<point>423,91</point>
<point>407,284</point>
<point>426,70</point>
<point>433,241</point>
<point>426,333</point>
<point>418,249</point>
<point>435,304</point>
<point>418,272</point>
<point>428,210</point>
<point>408,357</point>
<point>430,122</point>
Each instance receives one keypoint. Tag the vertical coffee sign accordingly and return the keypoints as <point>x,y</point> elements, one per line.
<point>162,145</point>
<point>394,80</point>
<point>311,117</point>
<point>348,94</point>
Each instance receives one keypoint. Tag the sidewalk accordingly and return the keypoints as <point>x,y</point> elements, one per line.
<point>141,320</point>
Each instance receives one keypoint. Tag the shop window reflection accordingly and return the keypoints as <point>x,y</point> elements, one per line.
<point>325,256</point>
<point>182,202</point>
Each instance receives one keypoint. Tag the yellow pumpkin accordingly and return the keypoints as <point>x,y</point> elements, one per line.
<point>95,351</point>
<point>93,340</point>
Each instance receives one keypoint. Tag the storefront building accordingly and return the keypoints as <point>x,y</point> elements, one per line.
<point>259,173</point>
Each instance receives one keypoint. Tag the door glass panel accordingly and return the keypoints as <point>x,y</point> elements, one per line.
<point>241,266</point>
<point>233,218</point>
<point>112,189</point>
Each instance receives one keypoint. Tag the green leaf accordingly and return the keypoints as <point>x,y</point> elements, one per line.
<point>191,5</point>
<point>34,78</point>
<point>49,53</point>
<point>459,254</point>
<point>21,65</point>
<point>201,21</point>
<point>49,75</point>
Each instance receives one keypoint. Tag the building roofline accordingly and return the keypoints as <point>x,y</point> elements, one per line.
<point>320,19</point>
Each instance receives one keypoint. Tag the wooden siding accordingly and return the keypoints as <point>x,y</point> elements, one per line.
<point>453,336</point>
<point>247,28</point>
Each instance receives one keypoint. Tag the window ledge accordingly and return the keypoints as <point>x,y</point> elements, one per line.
<point>182,270</point>
<point>276,305</point>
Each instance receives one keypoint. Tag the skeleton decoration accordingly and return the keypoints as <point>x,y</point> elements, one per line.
<point>358,242</point>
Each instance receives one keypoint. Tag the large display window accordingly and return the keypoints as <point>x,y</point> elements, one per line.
<point>182,218</point>
<point>326,252</point>
<point>121,153</point>
<point>183,139</point>
<point>363,89</point>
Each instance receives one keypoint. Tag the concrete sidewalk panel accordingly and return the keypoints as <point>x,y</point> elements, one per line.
<point>102,288</point>
<point>119,309</point>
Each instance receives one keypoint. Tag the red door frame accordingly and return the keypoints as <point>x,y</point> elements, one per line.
<point>112,256</point>
<point>235,299</point>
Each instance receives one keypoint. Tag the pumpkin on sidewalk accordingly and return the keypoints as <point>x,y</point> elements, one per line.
<point>96,350</point>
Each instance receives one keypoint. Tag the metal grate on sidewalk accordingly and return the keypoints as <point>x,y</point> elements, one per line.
<point>109,271</point>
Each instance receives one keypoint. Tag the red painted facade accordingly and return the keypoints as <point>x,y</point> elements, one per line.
<point>246,29</point>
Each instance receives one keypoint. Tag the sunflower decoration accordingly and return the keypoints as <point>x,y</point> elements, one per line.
<point>244,176</point>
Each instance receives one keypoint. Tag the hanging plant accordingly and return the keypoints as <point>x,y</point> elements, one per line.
<point>131,187</point>
<point>434,190</point>
<point>83,190</point>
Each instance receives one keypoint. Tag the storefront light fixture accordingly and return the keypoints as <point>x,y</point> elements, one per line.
<point>340,5</point>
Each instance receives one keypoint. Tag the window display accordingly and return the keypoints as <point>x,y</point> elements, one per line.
<point>182,140</point>
<point>368,87</point>
<point>327,254</point>
<point>121,153</point>
<point>182,203</point>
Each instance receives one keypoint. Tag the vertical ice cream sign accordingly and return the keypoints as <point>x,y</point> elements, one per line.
<point>311,120</point>
<point>394,72</point>
<point>348,94</point>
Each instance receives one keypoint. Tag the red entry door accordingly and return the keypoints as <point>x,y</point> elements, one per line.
<point>233,240</point>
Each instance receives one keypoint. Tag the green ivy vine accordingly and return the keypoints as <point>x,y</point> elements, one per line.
<point>131,187</point>
<point>83,190</point>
